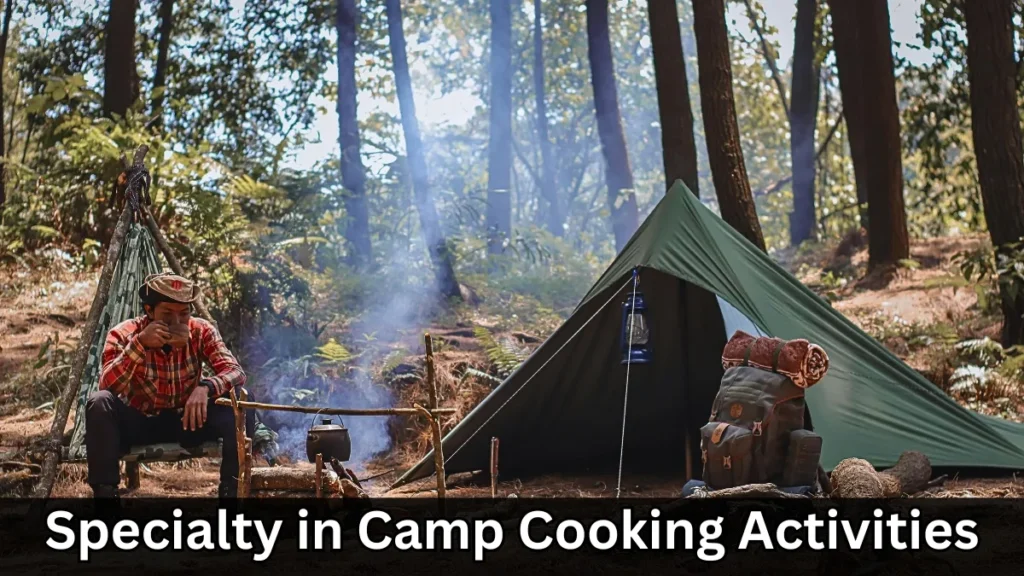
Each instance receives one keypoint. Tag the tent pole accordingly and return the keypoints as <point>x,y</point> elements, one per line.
<point>172,260</point>
<point>63,408</point>
<point>689,455</point>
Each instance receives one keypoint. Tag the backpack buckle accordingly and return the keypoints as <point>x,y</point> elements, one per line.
<point>727,462</point>
<point>756,430</point>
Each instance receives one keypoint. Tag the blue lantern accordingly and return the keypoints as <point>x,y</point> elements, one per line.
<point>636,331</point>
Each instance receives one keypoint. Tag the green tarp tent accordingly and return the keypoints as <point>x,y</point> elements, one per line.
<point>562,410</point>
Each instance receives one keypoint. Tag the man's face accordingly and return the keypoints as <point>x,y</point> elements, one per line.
<point>170,313</point>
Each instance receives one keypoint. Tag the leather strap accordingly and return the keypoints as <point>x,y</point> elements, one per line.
<point>776,354</point>
<point>716,436</point>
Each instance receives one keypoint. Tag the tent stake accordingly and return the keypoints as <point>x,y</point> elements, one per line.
<point>494,467</point>
<point>62,409</point>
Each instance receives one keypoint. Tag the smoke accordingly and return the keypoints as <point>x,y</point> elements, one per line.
<point>396,304</point>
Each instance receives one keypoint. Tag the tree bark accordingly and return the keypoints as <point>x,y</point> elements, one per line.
<point>618,173</point>
<point>718,108</point>
<point>163,49</point>
<point>353,174</point>
<point>549,189</point>
<point>120,75</point>
<point>997,137</point>
<point>863,48</point>
<point>802,121</point>
<point>679,149</point>
<point>440,256</point>
<point>8,9</point>
<point>499,148</point>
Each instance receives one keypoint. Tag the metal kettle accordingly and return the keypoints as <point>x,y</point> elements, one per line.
<point>330,440</point>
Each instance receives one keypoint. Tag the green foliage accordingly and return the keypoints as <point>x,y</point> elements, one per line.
<point>987,371</point>
<point>504,355</point>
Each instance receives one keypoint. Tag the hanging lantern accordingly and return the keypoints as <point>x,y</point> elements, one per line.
<point>636,331</point>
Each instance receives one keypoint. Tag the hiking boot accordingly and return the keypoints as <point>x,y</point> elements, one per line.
<point>227,491</point>
<point>108,502</point>
<point>105,491</point>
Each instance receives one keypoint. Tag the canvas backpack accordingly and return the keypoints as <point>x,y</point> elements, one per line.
<point>756,432</point>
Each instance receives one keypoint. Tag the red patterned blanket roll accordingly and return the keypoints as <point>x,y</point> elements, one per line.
<point>804,363</point>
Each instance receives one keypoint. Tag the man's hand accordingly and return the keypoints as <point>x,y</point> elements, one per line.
<point>155,335</point>
<point>195,409</point>
<point>179,335</point>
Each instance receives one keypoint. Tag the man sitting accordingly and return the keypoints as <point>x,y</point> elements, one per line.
<point>152,387</point>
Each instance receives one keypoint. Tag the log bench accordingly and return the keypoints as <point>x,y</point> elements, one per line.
<point>163,452</point>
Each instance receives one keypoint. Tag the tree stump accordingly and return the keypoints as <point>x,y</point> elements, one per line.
<point>857,478</point>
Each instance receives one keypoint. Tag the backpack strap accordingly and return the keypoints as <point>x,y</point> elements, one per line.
<point>776,354</point>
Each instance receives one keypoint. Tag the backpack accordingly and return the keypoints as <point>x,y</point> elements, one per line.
<point>756,433</point>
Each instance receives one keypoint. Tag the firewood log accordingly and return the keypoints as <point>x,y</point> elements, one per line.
<point>857,478</point>
<point>280,478</point>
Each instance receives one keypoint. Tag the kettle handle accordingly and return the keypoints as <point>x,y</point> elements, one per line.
<point>317,413</point>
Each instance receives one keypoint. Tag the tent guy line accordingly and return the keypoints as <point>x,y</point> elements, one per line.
<point>625,398</point>
<point>539,370</point>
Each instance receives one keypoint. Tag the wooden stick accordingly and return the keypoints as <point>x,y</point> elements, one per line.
<point>61,411</point>
<point>134,474</point>
<point>431,383</point>
<point>172,260</point>
<point>247,469</point>
<point>438,454</point>
<point>333,411</point>
<point>494,467</point>
<point>243,481</point>
<point>342,472</point>
<point>318,478</point>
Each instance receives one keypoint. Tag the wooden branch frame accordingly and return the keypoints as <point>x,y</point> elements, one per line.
<point>244,444</point>
<point>332,411</point>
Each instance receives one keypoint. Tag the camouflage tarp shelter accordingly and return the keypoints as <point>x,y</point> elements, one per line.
<point>561,411</point>
<point>138,259</point>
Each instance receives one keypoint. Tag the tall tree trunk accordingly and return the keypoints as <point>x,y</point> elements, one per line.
<point>803,118</point>
<point>618,173</point>
<point>997,137</point>
<point>721,132</point>
<point>675,114</point>
<point>440,256</point>
<point>166,15</point>
<point>120,75</point>
<point>863,49</point>
<point>353,174</point>
<point>549,190</point>
<point>845,39</point>
<point>8,10</point>
<point>499,149</point>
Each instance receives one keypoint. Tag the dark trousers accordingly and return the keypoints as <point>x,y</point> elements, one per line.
<point>112,428</point>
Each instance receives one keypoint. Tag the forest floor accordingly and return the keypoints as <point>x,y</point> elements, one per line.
<point>909,314</point>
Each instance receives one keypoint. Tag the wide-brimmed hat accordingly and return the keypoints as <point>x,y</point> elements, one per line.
<point>171,286</point>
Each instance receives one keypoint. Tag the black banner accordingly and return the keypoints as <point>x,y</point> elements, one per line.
<point>415,536</point>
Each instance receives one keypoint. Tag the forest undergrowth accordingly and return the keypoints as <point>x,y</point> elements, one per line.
<point>930,314</point>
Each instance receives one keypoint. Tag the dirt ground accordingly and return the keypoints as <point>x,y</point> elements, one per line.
<point>53,304</point>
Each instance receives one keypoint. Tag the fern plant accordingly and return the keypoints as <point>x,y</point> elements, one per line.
<point>332,353</point>
<point>504,356</point>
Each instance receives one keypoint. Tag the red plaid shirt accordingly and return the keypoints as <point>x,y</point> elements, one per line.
<point>152,380</point>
